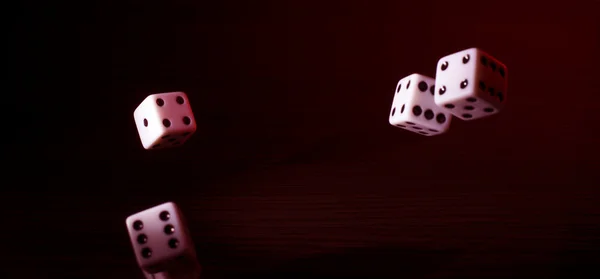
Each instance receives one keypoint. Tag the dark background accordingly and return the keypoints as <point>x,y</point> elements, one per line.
<point>294,170</point>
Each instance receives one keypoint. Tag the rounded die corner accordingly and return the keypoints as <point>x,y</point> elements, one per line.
<point>473,49</point>
<point>439,101</point>
<point>396,120</point>
<point>148,146</point>
<point>398,84</point>
<point>420,76</point>
<point>440,61</point>
<point>149,98</point>
<point>129,221</point>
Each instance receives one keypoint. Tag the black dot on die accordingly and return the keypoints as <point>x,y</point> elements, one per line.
<point>169,229</point>
<point>467,115</point>
<point>442,90</point>
<point>187,120</point>
<point>500,96</point>
<point>493,66</point>
<point>432,90</point>
<point>417,128</point>
<point>138,225</point>
<point>440,118</point>
<point>173,243</point>
<point>160,102</point>
<point>483,60</point>
<point>464,84</point>
<point>429,114</point>
<point>450,106</point>
<point>488,110</point>
<point>422,86</point>
<point>417,110</point>
<point>408,84</point>
<point>402,108</point>
<point>164,215</point>
<point>444,66</point>
<point>501,71</point>
<point>492,91</point>
<point>179,100</point>
<point>145,122</point>
<point>393,111</point>
<point>146,253</point>
<point>482,85</point>
<point>142,239</point>
<point>399,88</point>
<point>466,59</point>
<point>410,123</point>
<point>423,133</point>
<point>401,126</point>
<point>469,108</point>
<point>471,100</point>
<point>433,130</point>
<point>167,123</point>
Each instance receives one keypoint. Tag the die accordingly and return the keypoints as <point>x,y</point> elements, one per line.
<point>471,84</point>
<point>414,109</point>
<point>161,240</point>
<point>164,120</point>
<point>178,272</point>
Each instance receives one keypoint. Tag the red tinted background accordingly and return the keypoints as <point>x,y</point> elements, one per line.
<point>294,169</point>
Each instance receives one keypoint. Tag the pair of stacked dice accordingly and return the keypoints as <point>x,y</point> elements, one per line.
<point>469,84</point>
<point>162,243</point>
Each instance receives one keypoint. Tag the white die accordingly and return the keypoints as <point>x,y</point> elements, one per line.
<point>164,120</point>
<point>414,109</point>
<point>161,240</point>
<point>471,84</point>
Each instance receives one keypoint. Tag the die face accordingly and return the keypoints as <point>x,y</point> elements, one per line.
<point>165,120</point>
<point>493,80</point>
<point>467,83</point>
<point>455,75</point>
<point>414,109</point>
<point>146,121</point>
<point>159,237</point>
